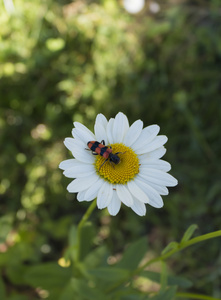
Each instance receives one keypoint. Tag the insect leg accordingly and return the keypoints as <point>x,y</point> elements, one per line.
<point>103,164</point>
<point>103,142</point>
<point>112,164</point>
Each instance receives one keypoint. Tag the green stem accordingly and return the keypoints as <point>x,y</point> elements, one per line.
<point>163,257</point>
<point>195,296</point>
<point>180,247</point>
<point>81,225</point>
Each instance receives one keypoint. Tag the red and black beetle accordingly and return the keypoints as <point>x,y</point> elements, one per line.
<point>105,151</point>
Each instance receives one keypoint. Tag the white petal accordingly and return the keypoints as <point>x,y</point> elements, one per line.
<point>155,198</point>
<point>101,119</point>
<point>81,184</point>
<point>100,133</point>
<point>70,143</point>
<point>133,133</point>
<point>153,145</point>
<point>158,153</point>
<point>158,177</point>
<point>146,136</point>
<point>154,164</point>
<point>139,208</point>
<point>120,127</point>
<point>109,131</point>
<point>82,128</point>
<point>78,150</point>
<point>83,170</point>
<point>104,195</point>
<point>124,195</point>
<point>83,135</point>
<point>137,192</point>
<point>92,191</point>
<point>76,134</point>
<point>81,196</point>
<point>162,190</point>
<point>114,205</point>
<point>69,163</point>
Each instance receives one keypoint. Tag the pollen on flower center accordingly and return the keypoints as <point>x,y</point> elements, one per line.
<point>119,173</point>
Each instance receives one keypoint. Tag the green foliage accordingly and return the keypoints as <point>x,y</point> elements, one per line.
<point>129,260</point>
<point>2,290</point>
<point>168,294</point>
<point>47,276</point>
<point>188,233</point>
<point>172,280</point>
<point>66,61</point>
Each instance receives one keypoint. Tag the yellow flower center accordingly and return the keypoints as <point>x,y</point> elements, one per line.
<point>120,173</point>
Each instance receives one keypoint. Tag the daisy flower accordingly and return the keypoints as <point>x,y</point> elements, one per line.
<point>138,179</point>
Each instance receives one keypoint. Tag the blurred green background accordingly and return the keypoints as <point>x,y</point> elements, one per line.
<point>63,61</point>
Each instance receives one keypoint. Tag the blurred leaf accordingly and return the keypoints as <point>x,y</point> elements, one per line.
<point>134,297</point>
<point>72,235</point>
<point>170,246</point>
<point>48,276</point>
<point>4,258</point>
<point>55,44</point>
<point>189,232</point>
<point>133,255</point>
<point>84,291</point>
<point>69,292</point>
<point>18,297</point>
<point>87,236</point>
<point>19,252</point>
<point>5,226</point>
<point>127,293</point>
<point>15,273</point>
<point>71,251</point>
<point>2,290</point>
<point>110,274</point>
<point>163,276</point>
<point>168,294</point>
<point>97,257</point>
<point>172,280</point>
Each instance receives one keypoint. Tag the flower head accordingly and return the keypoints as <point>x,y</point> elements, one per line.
<point>118,164</point>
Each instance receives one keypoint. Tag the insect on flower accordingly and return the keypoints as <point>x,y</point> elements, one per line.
<point>136,177</point>
<point>105,151</point>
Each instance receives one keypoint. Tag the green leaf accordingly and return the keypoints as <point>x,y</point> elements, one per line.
<point>87,236</point>
<point>15,272</point>
<point>97,257</point>
<point>128,293</point>
<point>17,297</point>
<point>189,232</point>
<point>134,297</point>
<point>4,258</point>
<point>48,276</point>
<point>71,251</point>
<point>168,294</point>
<point>68,292</point>
<point>110,274</point>
<point>170,246</point>
<point>86,292</point>
<point>164,276</point>
<point>2,290</point>
<point>6,226</point>
<point>172,280</point>
<point>133,255</point>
